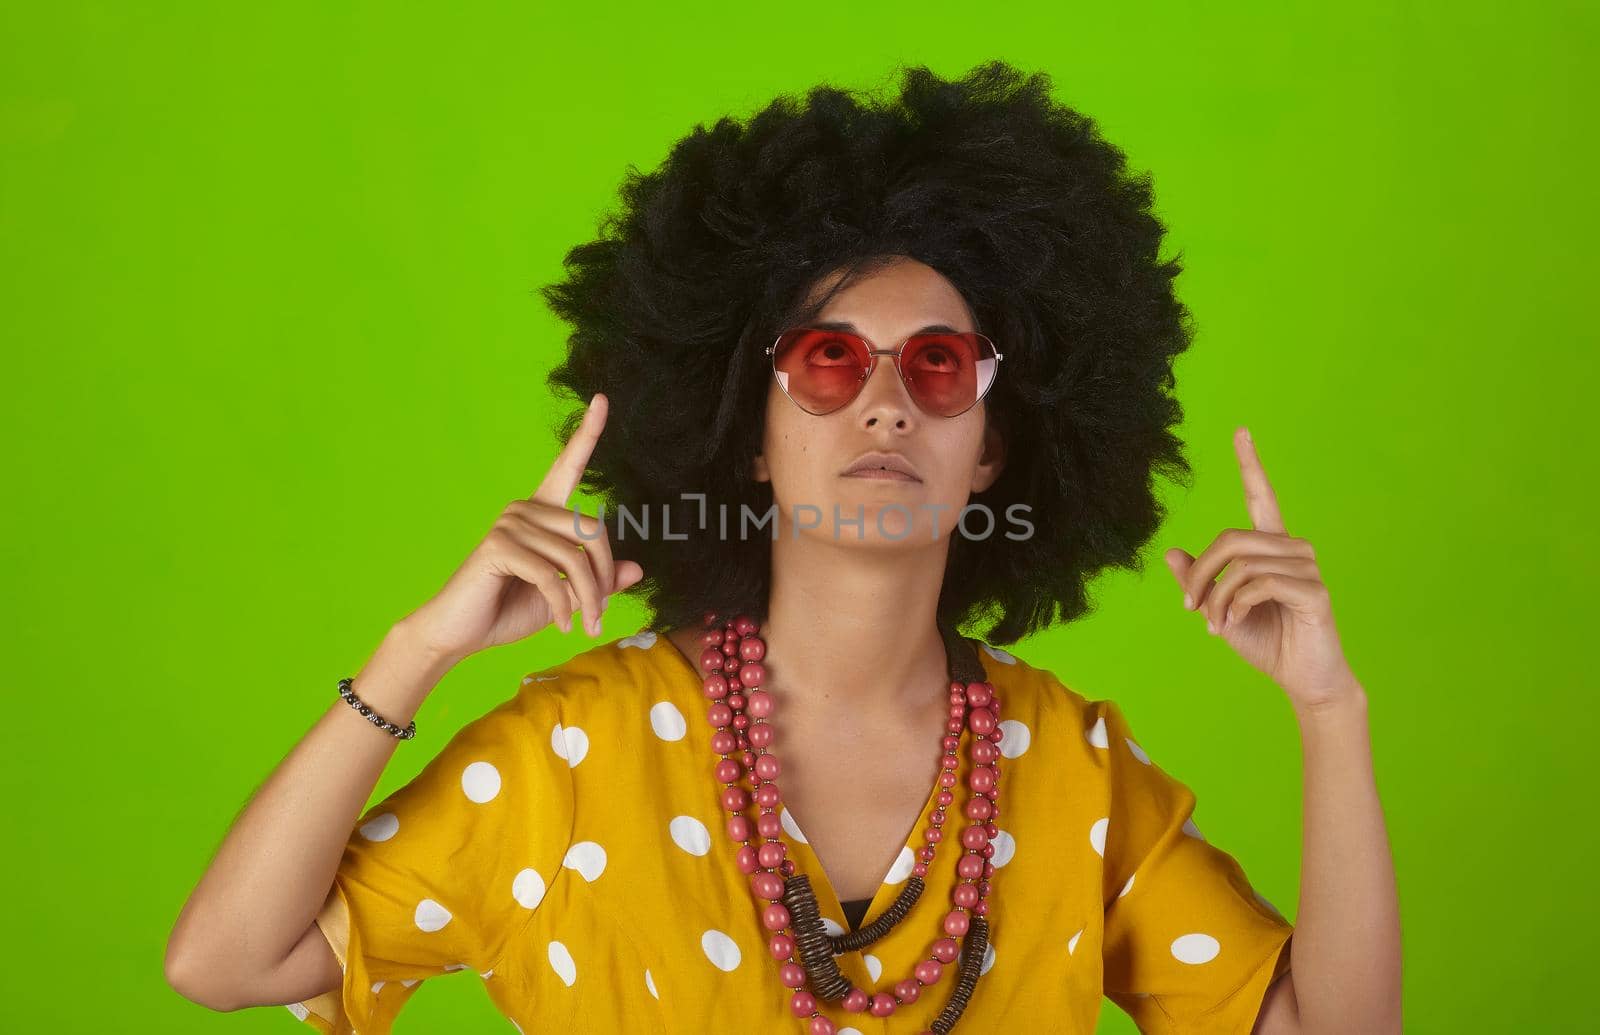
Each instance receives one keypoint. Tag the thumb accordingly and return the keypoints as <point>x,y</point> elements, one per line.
<point>1179,563</point>
<point>627,573</point>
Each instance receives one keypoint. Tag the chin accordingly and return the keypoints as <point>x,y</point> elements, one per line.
<point>906,520</point>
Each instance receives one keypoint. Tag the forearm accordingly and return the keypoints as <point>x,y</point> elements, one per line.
<point>1346,950</point>
<point>273,869</point>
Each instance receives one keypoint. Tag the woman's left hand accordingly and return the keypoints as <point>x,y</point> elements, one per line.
<point>1271,604</point>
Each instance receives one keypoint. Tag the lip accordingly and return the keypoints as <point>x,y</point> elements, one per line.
<point>883,476</point>
<point>883,466</point>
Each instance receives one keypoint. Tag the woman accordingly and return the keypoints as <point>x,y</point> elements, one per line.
<point>930,341</point>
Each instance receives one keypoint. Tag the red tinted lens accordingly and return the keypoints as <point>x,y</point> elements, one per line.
<point>948,373</point>
<point>820,370</point>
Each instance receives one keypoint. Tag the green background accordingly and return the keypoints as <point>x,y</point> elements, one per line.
<point>274,362</point>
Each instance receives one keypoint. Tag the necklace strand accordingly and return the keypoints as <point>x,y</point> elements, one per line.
<point>740,713</point>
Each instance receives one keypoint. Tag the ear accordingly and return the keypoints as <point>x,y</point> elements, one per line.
<point>758,468</point>
<point>992,460</point>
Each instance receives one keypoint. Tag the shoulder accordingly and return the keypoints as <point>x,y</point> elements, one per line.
<point>1057,737</point>
<point>628,684</point>
<point>615,666</point>
<point>1030,690</point>
<point>1038,705</point>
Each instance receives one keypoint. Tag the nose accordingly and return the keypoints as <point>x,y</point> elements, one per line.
<point>884,399</point>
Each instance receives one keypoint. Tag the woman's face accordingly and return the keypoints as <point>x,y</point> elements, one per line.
<point>804,456</point>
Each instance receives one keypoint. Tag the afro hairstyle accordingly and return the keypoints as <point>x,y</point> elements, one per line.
<point>1014,198</point>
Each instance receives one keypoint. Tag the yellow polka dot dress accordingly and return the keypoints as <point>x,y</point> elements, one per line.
<point>567,848</point>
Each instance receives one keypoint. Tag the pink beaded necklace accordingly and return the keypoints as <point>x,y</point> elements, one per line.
<point>740,713</point>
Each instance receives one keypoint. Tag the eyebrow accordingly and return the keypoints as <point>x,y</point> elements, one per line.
<point>846,325</point>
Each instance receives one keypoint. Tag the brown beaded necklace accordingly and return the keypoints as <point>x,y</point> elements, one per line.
<point>731,660</point>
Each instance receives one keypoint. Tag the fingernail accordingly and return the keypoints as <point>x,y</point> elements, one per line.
<point>1247,437</point>
<point>605,600</point>
<point>1188,602</point>
<point>1211,627</point>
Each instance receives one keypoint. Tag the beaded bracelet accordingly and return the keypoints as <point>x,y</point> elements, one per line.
<point>371,716</point>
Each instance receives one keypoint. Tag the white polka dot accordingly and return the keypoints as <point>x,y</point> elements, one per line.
<point>430,915</point>
<point>720,950</point>
<point>381,828</point>
<point>486,975</point>
<point>561,963</point>
<point>1097,733</point>
<point>1192,830</point>
<point>1138,752</point>
<point>643,638</point>
<point>1097,835</point>
<point>849,1031</point>
<point>667,721</point>
<point>831,926</point>
<point>569,742</point>
<point>480,781</point>
<point>1195,948</point>
<point>650,983</point>
<point>874,966</point>
<point>904,863</point>
<point>514,1024</point>
<point>588,858</point>
<point>526,680</point>
<point>1005,846</point>
<point>455,966</point>
<point>1072,943</point>
<point>690,834</point>
<point>999,655</point>
<point>527,887</point>
<point>790,827</point>
<point>299,1011</point>
<point>408,982</point>
<point>1127,887</point>
<point>988,959</point>
<point>1016,738</point>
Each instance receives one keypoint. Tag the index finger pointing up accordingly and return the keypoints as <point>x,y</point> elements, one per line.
<point>1259,498</point>
<point>567,470</point>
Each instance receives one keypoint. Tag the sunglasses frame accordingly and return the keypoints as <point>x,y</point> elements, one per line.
<point>872,365</point>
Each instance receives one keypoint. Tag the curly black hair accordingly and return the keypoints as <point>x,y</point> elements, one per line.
<point>1014,198</point>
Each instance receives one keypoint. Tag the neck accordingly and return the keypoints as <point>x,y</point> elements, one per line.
<point>855,629</point>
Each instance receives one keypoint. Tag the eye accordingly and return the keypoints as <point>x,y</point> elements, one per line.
<point>830,353</point>
<point>937,359</point>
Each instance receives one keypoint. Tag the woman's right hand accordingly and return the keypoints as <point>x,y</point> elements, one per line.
<point>512,584</point>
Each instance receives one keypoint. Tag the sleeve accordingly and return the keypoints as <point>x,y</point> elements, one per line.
<point>442,873</point>
<point>1189,947</point>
